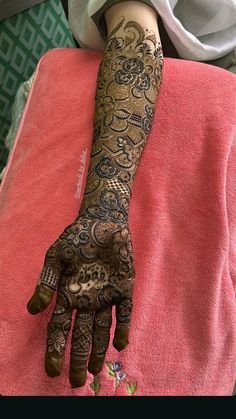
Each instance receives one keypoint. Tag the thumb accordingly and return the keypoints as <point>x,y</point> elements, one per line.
<point>47,283</point>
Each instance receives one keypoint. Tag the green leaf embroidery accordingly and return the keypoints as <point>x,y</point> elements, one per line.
<point>109,365</point>
<point>117,384</point>
<point>131,388</point>
<point>128,388</point>
<point>111,372</point>
<point>92,386</point>
<point>95,385</point>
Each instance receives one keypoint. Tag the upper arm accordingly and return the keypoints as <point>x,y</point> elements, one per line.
<point>136,11</point>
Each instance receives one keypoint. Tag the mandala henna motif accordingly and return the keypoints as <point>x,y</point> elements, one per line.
<point>93,257</point>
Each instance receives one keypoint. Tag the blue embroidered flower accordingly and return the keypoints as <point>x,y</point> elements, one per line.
<point>116,366</point>
<point>116,372</point>
<point>120,376</point>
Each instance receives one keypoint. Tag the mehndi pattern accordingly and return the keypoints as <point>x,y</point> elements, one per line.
<point>91,264</point>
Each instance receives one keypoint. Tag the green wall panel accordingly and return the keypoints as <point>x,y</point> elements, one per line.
<point>24,38</point>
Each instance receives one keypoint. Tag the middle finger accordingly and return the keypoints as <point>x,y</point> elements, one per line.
<point>80,346</point>
<point>101,337</point>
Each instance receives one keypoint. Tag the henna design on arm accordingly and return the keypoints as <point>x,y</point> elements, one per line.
<point>91,264</point>
<point>128,81</point>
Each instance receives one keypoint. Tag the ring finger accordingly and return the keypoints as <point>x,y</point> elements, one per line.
<point>101,337</point>
<point>80,347</point>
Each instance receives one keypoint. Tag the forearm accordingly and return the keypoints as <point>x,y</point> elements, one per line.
<point>128,82</point>
<point>91,264</point>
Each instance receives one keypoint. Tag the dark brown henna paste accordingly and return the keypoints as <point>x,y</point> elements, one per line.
<point>95,253</point>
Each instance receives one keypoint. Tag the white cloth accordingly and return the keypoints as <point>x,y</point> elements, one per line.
<point>200,30</point>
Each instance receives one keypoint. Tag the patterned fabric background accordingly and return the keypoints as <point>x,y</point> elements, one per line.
<point>24,38</point>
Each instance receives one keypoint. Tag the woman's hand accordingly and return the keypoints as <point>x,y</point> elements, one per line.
<point>91,266</point>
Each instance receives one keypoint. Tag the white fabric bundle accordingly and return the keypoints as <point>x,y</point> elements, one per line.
<point>200,30</point>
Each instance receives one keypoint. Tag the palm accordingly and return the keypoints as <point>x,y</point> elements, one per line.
<point>98,264</point>
<point>91,265</point>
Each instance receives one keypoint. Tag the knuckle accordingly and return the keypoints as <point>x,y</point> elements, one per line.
<point>52,252</point>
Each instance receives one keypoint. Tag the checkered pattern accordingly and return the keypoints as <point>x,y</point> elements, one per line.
<point>49,278</point>
<point>114,184</point>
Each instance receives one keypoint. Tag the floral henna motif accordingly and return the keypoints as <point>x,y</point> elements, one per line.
<point>57,334</point>
<point>91,264</point>
<point>128,82</point>
<point>105,168</point>
<point>99,275</point>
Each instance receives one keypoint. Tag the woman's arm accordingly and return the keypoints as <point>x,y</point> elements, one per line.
<point>91,264</point>
<point>127,86</point>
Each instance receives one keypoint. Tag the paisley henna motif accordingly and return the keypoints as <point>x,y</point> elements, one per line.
<point>91,264</point>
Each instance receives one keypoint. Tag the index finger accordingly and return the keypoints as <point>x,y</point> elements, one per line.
<point>48,281</point>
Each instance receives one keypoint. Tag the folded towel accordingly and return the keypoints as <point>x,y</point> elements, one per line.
<point>182,219</point>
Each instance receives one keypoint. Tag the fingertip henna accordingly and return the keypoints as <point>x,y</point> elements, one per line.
<point>92,264</point>
<point>40,300</point>
<point>78,377</point>
<point>120,340</point>
<point>53,364</point>
<point>95,364</point>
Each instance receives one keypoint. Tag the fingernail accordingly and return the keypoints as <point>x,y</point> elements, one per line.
<point>53,365</point>
<point>95,364</point>
<point>32,308</point>
<point>120,340</point>
<point>78,377</point>
<point>40,299</point>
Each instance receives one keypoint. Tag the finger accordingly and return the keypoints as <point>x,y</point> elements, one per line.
<point>43,294</point>
<point>123,318</point>
<point>58,329</point>
<point>80,347</point>
<point>101,337</point>
<point>40,299</point>
<point>47,283</point>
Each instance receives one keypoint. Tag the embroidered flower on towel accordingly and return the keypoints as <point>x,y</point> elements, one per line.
<point>121,376</point>
<point>115,371</point>
<point>116,366</point>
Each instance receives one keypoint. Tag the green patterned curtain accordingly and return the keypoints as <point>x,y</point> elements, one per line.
<point>24,38</point>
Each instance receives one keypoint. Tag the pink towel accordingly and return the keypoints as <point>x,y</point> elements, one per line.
<point>182,218</point>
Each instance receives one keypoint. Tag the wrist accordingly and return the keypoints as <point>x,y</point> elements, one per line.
<point>107,203</point>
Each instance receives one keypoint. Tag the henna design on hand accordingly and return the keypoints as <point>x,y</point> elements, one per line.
<point>91,264</point>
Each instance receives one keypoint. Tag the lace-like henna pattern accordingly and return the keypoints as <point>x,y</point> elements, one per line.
<point>128,81</point>
<point>49,278</point>
<point>81,341</point>
<point>94,254</point>
<point>57,333</point>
